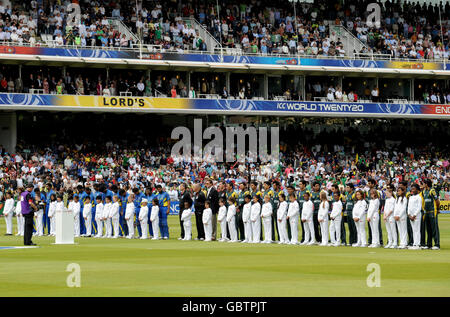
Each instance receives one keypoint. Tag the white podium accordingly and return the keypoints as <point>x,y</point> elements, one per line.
<point>64,227</point>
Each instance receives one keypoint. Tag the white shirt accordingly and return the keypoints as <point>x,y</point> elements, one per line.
<point>231,212</point>
<point>293,210</point>
<point>400,207</point>
<point>266,211</point>
<point>359,209</point>
<point>255,212</point>
<point>414,205</point>
<point>389,207</point>
<point>222,213</point>
<point>186,216</point>
<point>143,213</point>
<point>87,210</point>
<point>374,206</point>
<point>99,211</point>
<point>246,212</point>
<point>282,210</point>
<point>129,210</point>
<point>154,215</point>
<point>307,210</point>
<point>114,211</point>
<point>323,211</point>
<point>336,211</point>
<point>207,216</point>
<point>9,207</point>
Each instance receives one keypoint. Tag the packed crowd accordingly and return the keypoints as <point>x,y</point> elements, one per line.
<point>408,30</point>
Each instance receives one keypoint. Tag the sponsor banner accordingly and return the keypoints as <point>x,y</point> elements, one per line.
<point>215,58</point>
<point>444,207</point>
<point>174,208</point>
<point>221,105</point>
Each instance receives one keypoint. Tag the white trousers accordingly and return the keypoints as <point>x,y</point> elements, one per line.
<point>130,225</point>
<point>293,222</point>
<point>256,231</point>
<point>374,228</point>
<point>155,228</point>
<point>223,229</point>
<point>20,224</point>
<point>267,223</point>
<point>248,231</point>
<point>282,230</point>
<point>39,223</point>
<point>187,225</point>
<point>324,231</point>
<point>391,228</point>
<point>308,226</point>
<point>208,231</point>
<point>335,230</point>
<point>88,225</point>
<point>116,226</point>
<point>361,230</point>
<point>76,225</point>
<point>144,228</point>
<point>9,224</point>
<point>108,228</point>
<point>53,225</point>
<point>99,227</point>
<point>403,231</point>
<point>415,224</point>
<point>232,227</point>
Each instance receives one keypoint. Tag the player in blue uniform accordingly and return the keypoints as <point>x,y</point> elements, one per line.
<point>164,207</point>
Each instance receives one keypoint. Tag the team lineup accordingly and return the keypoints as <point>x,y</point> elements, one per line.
<point>258,213</point>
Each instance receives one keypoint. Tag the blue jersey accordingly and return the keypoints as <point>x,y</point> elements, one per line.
<point>138,200</point>
<point>163,199</point>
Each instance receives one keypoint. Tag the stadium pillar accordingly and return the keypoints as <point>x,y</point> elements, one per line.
<point>20,71</point>
<point>266,87</point>
<point>8,131</point>
<point>188,80</point>
<point>227,81</point>
<point>304,88</point>
<point>64,71</point>
<point>107,74</point>
<point>411,89</point>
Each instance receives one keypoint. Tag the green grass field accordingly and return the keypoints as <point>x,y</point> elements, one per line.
<point>122,267</point>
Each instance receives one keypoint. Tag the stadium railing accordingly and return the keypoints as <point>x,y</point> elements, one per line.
<point>150,48</point>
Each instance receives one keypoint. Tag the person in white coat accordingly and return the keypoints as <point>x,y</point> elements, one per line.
<point>52,213</point>
<point>336,219</point>
<point>74,206</point>
<point>293,215</point>
<point>266,216</point>
<point>373,217</point>
<point>255,213</point>
<point>99,216</point>
<point>8,212</point>
<point>281,218</point>
<point>322,217</point>
<point>307,219</point>
<point>154,218</point>
<point>246,219</point>
<point>359,216</point>
<point>106,219</point>
<point>19,216</point>
<point>222,218</point>
<point>400,217</point>
<point>231,219</point>
<point>129,216</point>
<point>389,220</point>
<point>114,215</point>
<point>143,218</point>
<point>207,221</point>
<point>186,217</point>
<point>414,214</point>
<point>87,215</point>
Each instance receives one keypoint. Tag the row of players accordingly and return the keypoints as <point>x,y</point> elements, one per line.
<point>398,212</point>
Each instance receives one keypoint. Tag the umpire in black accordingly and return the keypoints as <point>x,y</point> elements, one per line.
<point>184,196</point>
<point>28,209</point>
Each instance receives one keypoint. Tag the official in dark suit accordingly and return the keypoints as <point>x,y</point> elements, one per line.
<point>28,209</point>
<point>213,196</point>
<point>184,196</point>
<point>199,206</point>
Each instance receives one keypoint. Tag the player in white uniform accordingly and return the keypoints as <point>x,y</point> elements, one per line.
<point>129,216</point>
<point>246,219</point>
<point>106,217</point>
<point>19,216</point>
<point>292,216</point>
<point>52,213</point>
<point>307,219</point>
<point>207,221</point>
<point>74,206</point>
<point>281,218</point>
<point>115,214</point>
<point>143,218</point>
<point>154,218</point>
<point>8,213</point>
<point>414,214</point>
<point>99,216</point>
<point>400,217</point>
<point>222,218</point>
<point>255,214</point>
<point>186,217</point>
<point>266,216</point>
<point>335,220</point>
<point>389,220</point>
<point>373,217</point>
<point>87,215</point>
<point>231,219</point>
<point>322,217</point>
<point>359,216</point>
